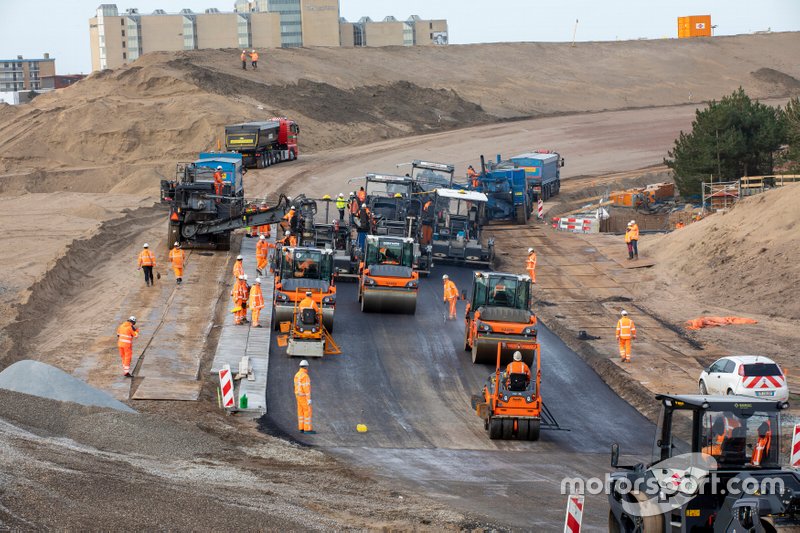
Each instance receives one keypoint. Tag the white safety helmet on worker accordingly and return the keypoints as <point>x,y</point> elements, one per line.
<point>177,244</point>
<point>239,257</point>
<point>303,363</point>
<point>145,245</point>
<point>445,277</point>
<point>263,237</point>
<point>308,293</point>
<point>257,280</point>
<point>517,356</point>
<point>530,250</point>
<point>288,233</point>
<point>623,313</point>
<point>132,319</point>
<point>241,276</point>
<point>219,167</point>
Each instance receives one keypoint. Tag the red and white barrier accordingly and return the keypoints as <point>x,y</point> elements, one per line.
<point>795,459</point>
<point>577,224</point>
<point>540,209</point>
<point>226,386</point>
<point>572,524</point>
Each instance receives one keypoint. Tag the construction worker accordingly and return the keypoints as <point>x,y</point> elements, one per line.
<point>530,264</point>
<point>427,222</point>
<point>255,303</point>
<point>262,254</point>
<point>364,219</point>
<point>341,203</point>
<point>679,225</point>
<point>354,207</point>
<point>288,219</point>
<point>450,296</point>
<point>761,450</point>
<point>716,439</point>
<point>238,267</point>
<point>517,366</point>
<point>634,228</point>
<point>302,393</point>
<point>264,230</point>
<point>178,258</point>
<point>240,294</point>
<point>628,241</point>
<point>387,257</point>
<point>472,176</point>
<point>626,330</point>
<point>219,182</point>
<point>362,195</point>
<point>126,332</point>
<point>254,59</point>
<point>147,262</point>
<point>244,59</point>
<point>308,303</point>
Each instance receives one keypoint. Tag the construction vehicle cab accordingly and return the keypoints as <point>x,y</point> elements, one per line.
<point>429,175</point>
<point>509,196</point>
<point>459,217</point>
<point>499,313</point>
<point>387,279</point>
<point>301,269</point>
<point>510,404</point>
<point>716,467</point>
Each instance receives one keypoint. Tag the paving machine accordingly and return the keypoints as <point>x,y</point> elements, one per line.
<point>298,270</point>
<point>499,312</point>
<point>510,404</point>
<point>388,282</point>
<point>458,218</point>
<point>716,467</point>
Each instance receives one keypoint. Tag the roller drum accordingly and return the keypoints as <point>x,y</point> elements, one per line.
<point>377,301</point>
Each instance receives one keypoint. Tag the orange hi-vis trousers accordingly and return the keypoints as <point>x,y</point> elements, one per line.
<point>126,353</point>
<point>532,274</point>
<point>255,314</point>
<point>452,302</point>
<point>625,349</point>
<point>303,414</point>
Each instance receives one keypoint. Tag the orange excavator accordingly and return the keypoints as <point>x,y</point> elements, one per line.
<point>499,313</point>
<point>300,269</point>
<point>387,279</point>
<point>511,404</point>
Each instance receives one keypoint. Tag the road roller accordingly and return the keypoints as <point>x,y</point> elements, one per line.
<point>306,335</point>
<point>499,311</point>
<point>301,269</point>
<point>388,282</point>
<point>510,403</point>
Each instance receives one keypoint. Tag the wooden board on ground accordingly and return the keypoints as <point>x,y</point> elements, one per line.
<point>168,389</point>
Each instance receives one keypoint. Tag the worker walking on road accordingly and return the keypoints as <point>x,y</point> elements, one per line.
<point>254,59</point>
<point>240,294</point>
<point>178,258</point>
<point>634,229</point>
<point>517,366</point>
<point>256,303</point>
<point>238,267</point>
<point>244,60</point>
<point>302,393</point>
<point>126,332</point>
<point>147,262</point>
<point>626,331</point>
<point>262,254</point>
<point>341,203</point>
<point>530,264</point>
<point>450,296</point>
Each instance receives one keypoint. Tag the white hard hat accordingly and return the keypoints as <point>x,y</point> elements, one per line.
<point>258,280</point>
<point>176,243</point>
<point>291,207</point>
<point>530,250</point>
<point>363,205</point>
<point>303,363</point>
<point>145,245</point>
<point>341,195</point>
<point>517,356</point>
<point>352,193</point>
<point>244,277</point>
<point>632,222</point>
<point>219,167</point>
<point>239,257</point>
<point>308,293</point>
<point>254,50</point>
<point>623,313</point>
<point>241,276</point>
<point>445,276</point>
<point>132,319</point>
<point>287,234</point>
<point>262,237</point>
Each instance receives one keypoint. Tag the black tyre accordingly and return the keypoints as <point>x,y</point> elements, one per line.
<point>467,347</point>
<point>703,388</point>
<point>508,428</point>
<point>533,430</point>
<point>495,428</point>
<point>519,214</point>
<point>260,161</point>
<point>523,426</point>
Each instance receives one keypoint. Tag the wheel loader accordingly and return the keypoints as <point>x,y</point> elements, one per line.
<point>300,269</point>
<point>498,313</point>
<point>717,467</point>
<point>388,282</point>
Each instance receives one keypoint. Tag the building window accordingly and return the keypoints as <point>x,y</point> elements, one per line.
<point>124,55</point>
<point>122,22</point>
<point>123,33</point>
<point>430,25</point>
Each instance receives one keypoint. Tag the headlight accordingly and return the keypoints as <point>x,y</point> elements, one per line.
<point>528,399</point>
<point>369,281</point>
<point>329,299</point>
<point>483,326</point>
<point>301,329</point>
<point>281,297</point>
<point>313,330</point>
<point>412,284</point>
<point>529,331</point>
<point>505,398</point>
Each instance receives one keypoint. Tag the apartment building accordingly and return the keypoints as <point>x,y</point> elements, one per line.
<point>27,74</point>
<point>390,31</point>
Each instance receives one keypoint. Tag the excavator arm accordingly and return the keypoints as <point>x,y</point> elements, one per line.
<point>258,217</point>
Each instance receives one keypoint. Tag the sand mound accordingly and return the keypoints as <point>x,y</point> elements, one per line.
<point>747,259</point>
<point>40,379</point>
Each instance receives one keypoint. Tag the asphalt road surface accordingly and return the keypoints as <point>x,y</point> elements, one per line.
<point>409,380</point>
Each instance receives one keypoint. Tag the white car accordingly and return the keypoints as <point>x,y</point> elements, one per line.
<point>745,375</point>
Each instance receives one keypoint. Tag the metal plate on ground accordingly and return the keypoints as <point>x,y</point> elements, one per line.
<point>168,389</point>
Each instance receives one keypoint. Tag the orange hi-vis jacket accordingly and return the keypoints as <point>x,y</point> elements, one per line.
<point>238,269</point>
<point>518,367</point>
<point>239,292</point>
<point>361,194</point>
<point>218,177</point>
<point>262,249</point>
<point>244,56</point>
<point>625,328</point>
<point>635,232</point>
<point>177,256</point>
<point>256,297</point>
<point>531,263</point>
<point>450,290</point>
<point>302,384</point>
<point>354,206</point>
<point>761,449</point>
<point>253,56</point>
<point>308,303</point>
<point>147,258</point>
<point>126,332</point>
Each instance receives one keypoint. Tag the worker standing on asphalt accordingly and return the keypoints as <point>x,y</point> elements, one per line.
<point>341,203</point>
<point>450,296</point>
<point>628,241</point>
<point>302,393</point>
<point>530,265</point>
<point>256,303</point>
<point>126,332</point>
<point>238,267</point>
<point>518,366</point>
<point>254,59</point>
<point>262,253</point>
<point>178,258</point>
<point>634,238</point>
<point>147,262</point>
<point>219,182</point>
<point>626,331</point>
<point>239,294</point>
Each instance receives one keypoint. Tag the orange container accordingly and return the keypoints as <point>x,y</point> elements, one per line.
<point>694,26</point>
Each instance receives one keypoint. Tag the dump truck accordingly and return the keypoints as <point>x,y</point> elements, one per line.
<point>508,196</point>
<point>459,216</point>
<point>388,282</point>
<point>300,269</point>
<point>511,405</point>
<point>499,312</point>
<point>542,172</point>
<point>262,144</point>
<point>716,466</point>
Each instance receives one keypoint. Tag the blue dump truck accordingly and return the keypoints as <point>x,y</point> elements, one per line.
<point>542,171</point>
<point>509,196</point>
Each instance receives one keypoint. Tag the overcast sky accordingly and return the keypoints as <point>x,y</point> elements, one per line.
<point>63,30</point>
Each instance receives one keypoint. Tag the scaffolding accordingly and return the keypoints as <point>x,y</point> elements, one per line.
<point>720,195</point>
<point>750,185</point>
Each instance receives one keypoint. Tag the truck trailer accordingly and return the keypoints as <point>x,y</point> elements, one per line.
<point>542,171</point>
<point>263,143</point>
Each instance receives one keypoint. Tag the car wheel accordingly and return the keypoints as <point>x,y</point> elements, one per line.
<point>703,389</point>
<point>729,392</point>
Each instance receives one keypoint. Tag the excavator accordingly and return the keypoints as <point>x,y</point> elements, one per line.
<point>388,281</point>
<point>499,313</point>
<point>300,269</point>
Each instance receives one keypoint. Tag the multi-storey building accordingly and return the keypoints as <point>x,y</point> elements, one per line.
<point>27,74</point>
<point>392,32</point>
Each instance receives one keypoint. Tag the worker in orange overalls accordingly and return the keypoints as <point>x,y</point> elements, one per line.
<point>254,59</point>
<point>679,225</point>
<point>302,392</point>
<point>288,239</point>
<point>634,238</point>
<point>354,207</point>
<point>472,176</point>
<point>308,303</point>
<point>240,294</point>
<point>362,195</point>
<point>256,303</point>
<point>427,223</point>
<point>517,366</point>
<point>450,296</point>
<point>244,59</point>
<point>126,332</point>
<point>717,438</point>
<point>258,231</point>
<point>147,262</point>
<point>288,219</point>
<point>761,451</point>
<point>530,264</point>
<point>626,330</point>
<point>238,267</point>
<point>262,253</point>
<point>219,182</point>
<point>178,258</point>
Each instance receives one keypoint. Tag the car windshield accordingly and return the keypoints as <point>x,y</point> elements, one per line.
<point>308,264</point>
<point>762,369</point>
<point>501,292</point>
<point>740,439</point>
